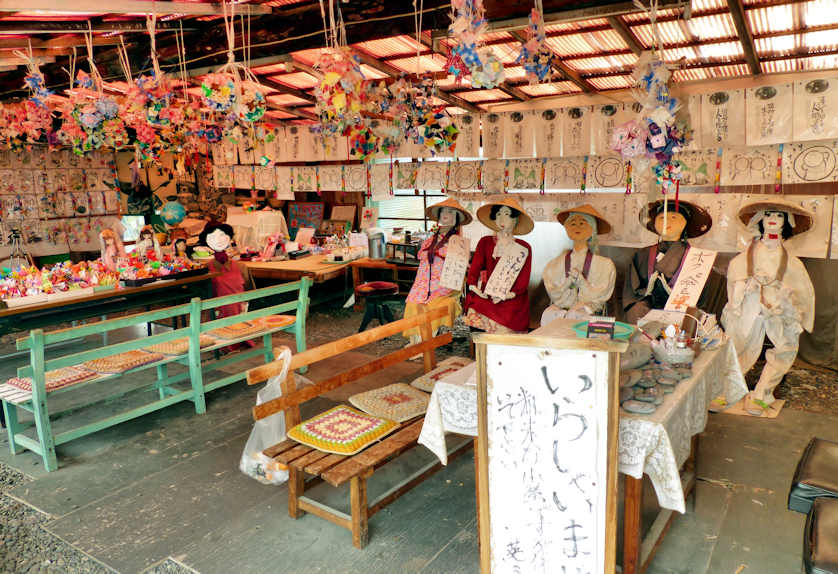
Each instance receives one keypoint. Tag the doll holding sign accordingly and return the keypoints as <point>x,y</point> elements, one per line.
<point>770,295</point>
<point>499,274</point>
<point>427,293</point>
<point>655,269</point>
<point>579,281</point>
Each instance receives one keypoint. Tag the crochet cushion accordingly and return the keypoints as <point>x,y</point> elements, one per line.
<point>398,402</point>
<point>341,430</point>
<point>450,365</point>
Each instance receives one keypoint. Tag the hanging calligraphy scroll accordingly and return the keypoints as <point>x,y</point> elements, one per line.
<point>493,135</point>
<point>518,133</point>
<point>468,140</point>
<point>723,118</point>
<point>695,270</point>
<point>548,133</point>
<point>576,131</point>
<point>547,454</point>
<point>815,109</point>
<point>605,119</point>
<point>769,112</point>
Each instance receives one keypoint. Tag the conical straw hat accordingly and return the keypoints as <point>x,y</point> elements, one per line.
<point>433,211</point>
<point>602,225</point>
<point>522,227</point>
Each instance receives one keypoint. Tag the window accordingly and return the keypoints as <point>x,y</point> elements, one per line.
<point>407,210</point>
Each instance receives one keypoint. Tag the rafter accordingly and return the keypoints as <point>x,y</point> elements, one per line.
<point>737,12</point>
<point>566,72</point>
<point>128,7</point>
<point>76,27</point>
<point>626,34</point>
<point>282,88</point>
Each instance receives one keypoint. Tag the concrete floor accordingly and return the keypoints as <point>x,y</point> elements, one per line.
<point>167,486</point>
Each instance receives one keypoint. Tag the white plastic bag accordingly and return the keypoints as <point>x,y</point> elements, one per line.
<point>267,432</point>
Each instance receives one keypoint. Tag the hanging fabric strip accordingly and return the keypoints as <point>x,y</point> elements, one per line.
<point>628,177</point>
<point>506,177</point>
<point>779,174</point>
<point>317,178</point>
<point>584,183</point>
<point>543,175</point>
<point>718,176</point>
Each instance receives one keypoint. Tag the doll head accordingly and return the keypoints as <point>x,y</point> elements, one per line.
<point>217,236</point>
<point>776,217</point>
<point>442,213</point>
<point>505,217</point>
<point>180,247</point>
<point>775,223</point>
<point>449,217</point>
<point>683,219</point>
<point>513,219</point>
<point>671,226</point>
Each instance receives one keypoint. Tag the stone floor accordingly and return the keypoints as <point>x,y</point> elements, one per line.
<point>163,493</point>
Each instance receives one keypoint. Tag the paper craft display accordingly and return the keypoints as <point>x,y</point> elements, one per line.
<point>546,467</point>
<point>564,173</point>
<point>769,115</point>
<point>398,402</point>
<point>464,176</point>
<point>606,172</point>
<point>698,167</point>
<point>432,175</point>
<point>468,140</point>
<point>813,162</point>
<point>304,214</point>
<point>815,242</point>
<point>750,166</point>
<point>380,181</point>
<point>493,135</point>
<point>247,153</point>
<point>427,381</point>
<point>341,430</point>
<point>263,177</point>
<point>506,271</point>
<point>330,177</point>
<point>122,362</point>
<point>604,120</point>
<point>548,133</point>
<point>55,379</point>
<point>695,269</point>
<point>518,134</point>
<point>576,131</point>
<point>723,118</point>
<point>456,263</point>
<point>815,109</point>
<point>355,176</point>
<point>524,174</point>
<point>243,176</point>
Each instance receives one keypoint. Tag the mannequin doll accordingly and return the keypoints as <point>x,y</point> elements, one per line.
<point>426,292</point>
<point>510,311</point>
<point>111,249</point>
<point>654,269</point>
<point>769,294</point>
<point>218,237</point>
<point>579,282</point>
<point>147,245</point>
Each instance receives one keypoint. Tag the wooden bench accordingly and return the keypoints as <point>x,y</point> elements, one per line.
<point>356,469</point>
<point>164,390</point>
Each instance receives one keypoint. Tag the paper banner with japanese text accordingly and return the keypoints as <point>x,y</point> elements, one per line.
<point>493,171</point>
<point>604,120</point>
<point>380,181</point>
<point>275,149</point>
<point>548,133</point>
<point>723,119</point>
<point>223,153</point>
<point>576,131</point>
<point>695,269</point>
<point>506,271</point>
<point>493,135</point>
<point>282,183</point>
<point>264,177</point>
<point>330,177</point>
<point>247,150</point>
<point>811,162</point>
<point>243,176</point>
<point>464,175</point>
<point>456,263</point>
<point>750,165</point>
<point>432,175</point>
<point>769,115</point>
<point>468,140</point>
<point>815,109</point>
<point>335,148</point>
<point>297,142</point>
<point>518,133</point>
<point>405,175</point>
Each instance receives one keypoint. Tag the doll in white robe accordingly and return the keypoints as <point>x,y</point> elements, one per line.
<point>579,281</point>
<point>769,294</point>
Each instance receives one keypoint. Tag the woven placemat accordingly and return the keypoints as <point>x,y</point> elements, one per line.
<point>178,346</point>
<point>56,379</point>
<point>236,330</point>
<point>341,430</point>
<point>398,402</point>
<point>122,362</point>
<point>275,321</point>
<point>450,365</point>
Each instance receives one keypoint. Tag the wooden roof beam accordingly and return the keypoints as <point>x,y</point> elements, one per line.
<point>626,34</point>
<point>282,88</point>
<point>129,7</point>
<point>566,72</point>
<point>80,27</point>
<point>737,12</point>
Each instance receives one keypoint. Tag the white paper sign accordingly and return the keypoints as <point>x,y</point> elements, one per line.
<point>518,133</point>
<point>576,131</point>
<point>547,424</point>
<point>506,271</point>
<point>694,273</point>
<point>723,118</point>
<point>769,115</point>
<point>548,134</point>
<point>815,109</point>
<point>605,120</point>
<point>493,135</point>
<point>750,166</point>
<point>468,140</point>
<point>456,263</point>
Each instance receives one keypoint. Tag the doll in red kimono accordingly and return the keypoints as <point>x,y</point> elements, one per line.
<point>499,274</point>
<point>219,238</point>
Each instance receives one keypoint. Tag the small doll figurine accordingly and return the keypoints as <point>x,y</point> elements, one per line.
<point>147,244</point>
<point>179,247</point>
<point>579,281</point>
<point>770,295</point>
<point>111,249</point>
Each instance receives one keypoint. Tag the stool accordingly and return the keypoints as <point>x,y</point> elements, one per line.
<point>376,293</point>
<point>816,475</point>
<point>820,538</point>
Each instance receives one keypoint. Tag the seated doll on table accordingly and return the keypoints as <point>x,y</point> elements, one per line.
<point>499,274</point>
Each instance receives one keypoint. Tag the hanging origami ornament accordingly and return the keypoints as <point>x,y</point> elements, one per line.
<point>339,94</point>
<point>456,67</point>
<point>536,57</point>
<point>468,24</point>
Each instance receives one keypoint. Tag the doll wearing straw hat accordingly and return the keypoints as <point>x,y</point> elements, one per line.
<point>655,269</point>
<point>769,294</point>
<point>509,312</point>
<point>579,281</point>
<point>426,292</point>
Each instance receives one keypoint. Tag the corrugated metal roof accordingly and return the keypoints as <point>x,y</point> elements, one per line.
<point>565,27</point>
<point>393,46</point>
<point>371,73</point>
<point>431,63</point>
<point>692,74</point>
<point>819,12</point>
<point>670,33</point>
<point>712,27</point>
<point>602,63</point>
<point>725,51</point>
<point>270,69</point>
<point>285,99</point>
<point>611,82</point>
<point>482,95</point>
<point>776,45</point>
<point>299,80</point>
<point>554,89</point>
<point>699,6</point>
<point>644,17</point>
<point>820,41</point>
<point>278,115</point>
<point>507,53</point>
<point>770,19</point>
<point>308,57</point>
<point>586,43</point>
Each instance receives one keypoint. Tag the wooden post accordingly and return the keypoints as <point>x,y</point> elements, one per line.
<point>296,488</point>
<point>12,426</point>
<point>195,373</point>
<point>632,539</point>
<point>613,458</point>
<point>39,401</point>
<point>482,476</point>
<point>358,502</point>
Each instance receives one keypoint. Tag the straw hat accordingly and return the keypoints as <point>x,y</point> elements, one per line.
<point>800,221</point>
<point>522,227</point>
<point>433,211</point>
<point>602,225</point>
<point>698,219</point>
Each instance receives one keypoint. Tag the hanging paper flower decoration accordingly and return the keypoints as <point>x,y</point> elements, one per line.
<point>489,73</point>
<point>219,92</point>
<point>426,124</point>
<point>363,142</point>
<point>468,24</point>
<point>456,67</point>
<point>38,92</point>
<point>535,56</point>
<point>340,92</point>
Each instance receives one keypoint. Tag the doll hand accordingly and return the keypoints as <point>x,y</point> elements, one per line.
<point>476,290</point>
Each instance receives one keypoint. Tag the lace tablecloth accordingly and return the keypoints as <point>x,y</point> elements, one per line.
<point>657,444</point>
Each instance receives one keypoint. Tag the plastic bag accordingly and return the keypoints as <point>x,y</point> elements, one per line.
<point>267,432</point>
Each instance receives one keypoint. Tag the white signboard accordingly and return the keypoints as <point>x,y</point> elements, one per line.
<point>506,271</point>
<point>694,273</point>
<point>547,423</point>
<point>456,263</point>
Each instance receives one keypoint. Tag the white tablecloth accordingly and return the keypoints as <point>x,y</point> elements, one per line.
<point>657,444</point>
<point>252,227</point>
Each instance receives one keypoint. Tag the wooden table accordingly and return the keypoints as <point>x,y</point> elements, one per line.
<point>103,303</point>
<point>359,265</point>
<point>314,266</point>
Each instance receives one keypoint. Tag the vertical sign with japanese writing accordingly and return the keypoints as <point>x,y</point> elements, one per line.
<point>456,263</point>
<point>691,279</point>
<point>546,416</point>
<point>723,119</point>
<point>506,271</point>
<point>769,113</point>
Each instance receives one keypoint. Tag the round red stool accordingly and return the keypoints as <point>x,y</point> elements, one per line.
<point>376,294</point>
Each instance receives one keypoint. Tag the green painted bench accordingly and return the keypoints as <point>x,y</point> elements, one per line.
<point>143,396</point>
